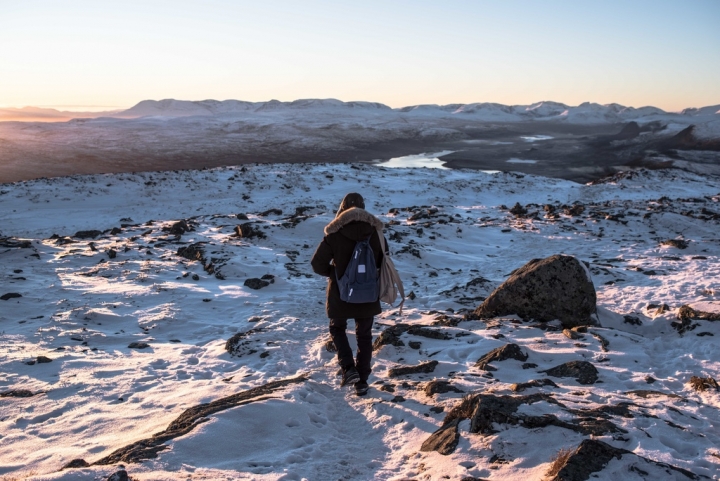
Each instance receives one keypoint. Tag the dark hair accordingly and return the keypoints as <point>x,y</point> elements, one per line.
<point>351,200</point>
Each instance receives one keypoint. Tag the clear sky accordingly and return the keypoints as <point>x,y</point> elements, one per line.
<point>96,54</point>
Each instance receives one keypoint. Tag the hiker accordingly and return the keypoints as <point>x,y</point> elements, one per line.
<point>352,223</point>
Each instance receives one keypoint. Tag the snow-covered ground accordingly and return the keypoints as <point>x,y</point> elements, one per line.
<point>85,300</point>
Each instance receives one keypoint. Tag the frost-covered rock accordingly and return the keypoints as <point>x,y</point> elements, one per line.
<point>558,287</point>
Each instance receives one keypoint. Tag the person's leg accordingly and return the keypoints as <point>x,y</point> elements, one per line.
<point>363,334</point>
<point>339,337</point>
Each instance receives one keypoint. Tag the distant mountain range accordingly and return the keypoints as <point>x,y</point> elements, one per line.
<point>585,113</point>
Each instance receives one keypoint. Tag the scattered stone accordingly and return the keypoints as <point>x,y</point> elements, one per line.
<point>387,388</point>
<point>178,228</point>
<point>255,283</point>
<point>593,455</point>
<point>391,335</point>
<point>423,367</point>
<point>264,354</point>
<point>650,379</point>
<point>10,295</point>
<point>87,234</point>
<point>270,212</point>
<point>242,216</point>
<point>43,359</point>
<point>115,231</point>
<point>583,371</point>
<point>414,344</point>
<point>120,475</point>
<point>519,387</point>
<point>508,351</point>
<point>444,440</point>
<point>570,334</point>
<point>518,210</point>
<point>247,231</point>
<point>437,386</point>
<point>679,243</point>
<point>703,383</point>
<point>688,313</point>
<point>17,393</point>
<point>193,252</point>
<point>112,253</point>
<point>647,393</point>
<point>529,365</point>
<point>138,345</point>
<point>575,210</point>
<point>397,399</point>
<point>604,343</point>
<point>76,463</point>
<point>558,287</point>
<point>429,333</point>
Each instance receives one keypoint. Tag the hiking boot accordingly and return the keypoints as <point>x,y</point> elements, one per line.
<point>350,376</point>
<point>361,388</point>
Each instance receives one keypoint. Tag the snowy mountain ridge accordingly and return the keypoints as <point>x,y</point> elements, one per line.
<point>586,112</point>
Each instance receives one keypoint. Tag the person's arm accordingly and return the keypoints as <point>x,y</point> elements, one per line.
<point>321,259</point>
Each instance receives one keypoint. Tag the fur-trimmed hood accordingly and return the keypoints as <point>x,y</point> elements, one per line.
<point>354,214</point>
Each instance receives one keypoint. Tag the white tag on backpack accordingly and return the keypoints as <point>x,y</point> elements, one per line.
<point>361,268</point>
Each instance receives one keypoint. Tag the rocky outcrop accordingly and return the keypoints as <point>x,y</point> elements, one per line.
<point>508,351</point>
<point>558,287</point>
<point>583,371</point>
<point>444,440</point>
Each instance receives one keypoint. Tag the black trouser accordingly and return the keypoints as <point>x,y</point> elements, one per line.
<point>363,334</point>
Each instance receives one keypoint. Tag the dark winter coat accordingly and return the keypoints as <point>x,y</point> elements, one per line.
<point>341,235</point>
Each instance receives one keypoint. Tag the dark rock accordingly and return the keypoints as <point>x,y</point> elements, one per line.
<point>583,371</point>
<point>397,399</point>
<point>76,463</point>
<point>518,210</point>
<point>437,386</point>
<point>112,253</point>
<point>593,455</point>
<point>688,313</point>
<point>10,295</point>
<point>703,383</point>
<point>247,231</point>
<point>270,212</point>
<point>575,210</point>
<point>178,228</point>
<point>423,367</point>
<point>43,359</point>
<point>414,344</point>
<point>529,365</point>
<point>17,393</point>
<point>557,287</point>
<point>429,333</point>
<point>120,475</point>
<point>87,234</point>
<point>508,351</point>
<point>387,388</point>
<point>242,216</point>
<point>255,283</point>
<point>444,440</point>
<point>138,345</point>
<point>391,335</point>
<point>632,320</point>
<point>12,242</point>
<point>519,387</point>
<point>193,252</point>
<point>679,243</point>
<point>264,354</point>
<point>115,231</point>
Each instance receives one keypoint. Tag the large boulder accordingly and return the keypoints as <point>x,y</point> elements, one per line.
<point>558,287</point>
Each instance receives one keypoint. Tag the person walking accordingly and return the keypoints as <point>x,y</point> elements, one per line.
<point>352,223</point>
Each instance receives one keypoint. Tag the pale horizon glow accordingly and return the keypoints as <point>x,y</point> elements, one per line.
<point>82,55</point>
